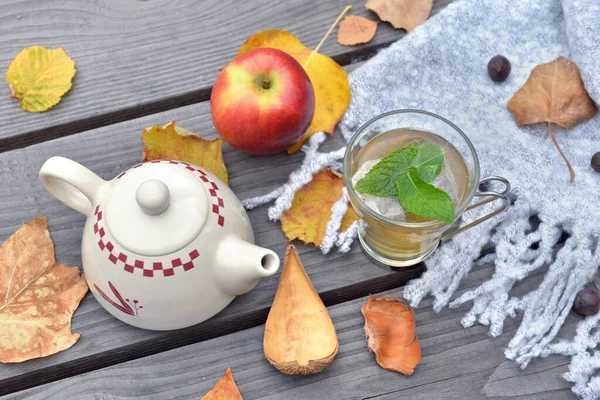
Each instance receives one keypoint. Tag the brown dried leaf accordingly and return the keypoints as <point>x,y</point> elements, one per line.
<point>390,330</point>
<point>554,93</point>
<point>407,14</point>
<point>311,209</point>
<point>355,30</point>
<point>225,389</point>
<point>172,142</point>
<point>37,296</point>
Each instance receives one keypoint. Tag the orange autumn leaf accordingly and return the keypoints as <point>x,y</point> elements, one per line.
<point>554,93</point>
<point>38,296</point>
<point>390,330</point>
<point>355,30</point>
<point>311,209</point>
<point>174,143</point>
<point>39,77</point>
<point>329,80</point>
<point>407,14</point>
<point>225,389</point>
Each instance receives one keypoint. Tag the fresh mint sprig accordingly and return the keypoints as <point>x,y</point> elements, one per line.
<point>426,157</point>
<point>406,173</point>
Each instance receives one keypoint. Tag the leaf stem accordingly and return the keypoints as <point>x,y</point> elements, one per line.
<point>571,171</point>
<point>316,50</point>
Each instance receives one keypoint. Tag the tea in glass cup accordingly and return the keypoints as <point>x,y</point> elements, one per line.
<point>389,232</point>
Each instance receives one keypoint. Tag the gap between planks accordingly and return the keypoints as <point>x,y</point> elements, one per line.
<point>195,96</point>
<point>195,334</point>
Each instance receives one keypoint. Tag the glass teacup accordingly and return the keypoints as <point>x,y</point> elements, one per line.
<point>406,240</point>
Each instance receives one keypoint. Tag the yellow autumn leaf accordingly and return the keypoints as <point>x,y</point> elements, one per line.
<point>329,80</point>
<point>174,143</point>
<point>311,209</point>
<point>38,296</point>
<point>39,77</point>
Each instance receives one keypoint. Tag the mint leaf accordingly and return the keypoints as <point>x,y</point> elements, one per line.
<point>429,161</point>
<point>426,157</point>
<point>419,197</point>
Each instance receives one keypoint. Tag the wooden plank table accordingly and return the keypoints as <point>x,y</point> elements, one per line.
<point>142,63</point>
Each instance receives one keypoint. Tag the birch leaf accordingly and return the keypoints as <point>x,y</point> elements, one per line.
<point>554,93</point>
<point>355,29</point>
<point>39,77</point>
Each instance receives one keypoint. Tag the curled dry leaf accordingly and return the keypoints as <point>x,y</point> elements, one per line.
<point>299,335</point>
<point>329,80</point>
<point>311,209</point>
<point>355,30</point>
<point>407,14</point>
<point>174,143</point>
<point>38,296</point>
<point>39,77</point>
<point>225,389</point>
<point>554,93</point>
<point>390,330</point>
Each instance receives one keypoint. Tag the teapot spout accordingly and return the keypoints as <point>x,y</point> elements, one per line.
<point>239,265</point>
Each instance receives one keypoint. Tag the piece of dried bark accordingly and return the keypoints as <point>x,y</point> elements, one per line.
<point>390,330</point>
<point>300,338</point>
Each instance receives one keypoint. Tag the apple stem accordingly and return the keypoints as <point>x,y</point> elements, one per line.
<point>571,171</point>
<point>266,83</point>
<point>316,50</point>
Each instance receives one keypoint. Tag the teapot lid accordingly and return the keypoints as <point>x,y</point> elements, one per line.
<point>157,207</point>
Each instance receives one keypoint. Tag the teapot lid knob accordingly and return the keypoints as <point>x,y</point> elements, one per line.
<point>153,196</point>
<point>158,207</point>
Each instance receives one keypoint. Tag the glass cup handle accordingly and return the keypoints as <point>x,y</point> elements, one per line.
<point>491,196</point>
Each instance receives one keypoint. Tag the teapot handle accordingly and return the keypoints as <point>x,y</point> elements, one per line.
<point>72,183</point>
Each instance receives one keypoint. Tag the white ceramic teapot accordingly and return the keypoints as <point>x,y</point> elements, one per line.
<point>166,244</point>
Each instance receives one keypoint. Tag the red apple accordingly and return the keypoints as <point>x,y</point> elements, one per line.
<point>262,102</point>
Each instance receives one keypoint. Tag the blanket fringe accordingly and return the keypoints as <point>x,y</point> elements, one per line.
<point>314,161</point>
<point>522,243</point>
<point>584,361</point>
<point>520,248</point>
<point>338,210</point>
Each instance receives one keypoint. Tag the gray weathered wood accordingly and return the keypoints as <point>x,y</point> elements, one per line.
<point>108,151</point>
<point>138,57</point>
<point>457,363</point>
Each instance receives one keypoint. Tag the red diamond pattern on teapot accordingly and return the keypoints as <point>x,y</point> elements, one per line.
<point>158,268</point>
<point>130,264</point>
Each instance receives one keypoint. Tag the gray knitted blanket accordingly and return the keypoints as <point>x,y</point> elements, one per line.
<point>441,67</point>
